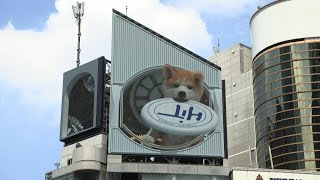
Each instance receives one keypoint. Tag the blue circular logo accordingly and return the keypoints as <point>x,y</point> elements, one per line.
<point>180,118</point>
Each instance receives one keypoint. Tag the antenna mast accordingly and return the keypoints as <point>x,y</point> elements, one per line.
<point>78,12</point>
<point>216,49</point>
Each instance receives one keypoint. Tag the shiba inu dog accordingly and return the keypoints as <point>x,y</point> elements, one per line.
<point>181,85</point>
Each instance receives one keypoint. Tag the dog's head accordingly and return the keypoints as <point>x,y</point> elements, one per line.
<point>182,84</point>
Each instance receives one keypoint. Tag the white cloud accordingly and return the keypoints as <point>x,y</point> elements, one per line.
<point>225,8</point>
<point>34,61</point>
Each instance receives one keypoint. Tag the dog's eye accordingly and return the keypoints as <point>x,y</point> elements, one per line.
<point>176,85</point>
<point>189,87</point>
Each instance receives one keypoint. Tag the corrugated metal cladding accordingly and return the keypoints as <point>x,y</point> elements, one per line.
<point>136,48</point>
<point>124,145</point>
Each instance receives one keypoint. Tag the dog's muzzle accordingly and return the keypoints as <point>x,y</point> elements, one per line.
<point>182,94</point>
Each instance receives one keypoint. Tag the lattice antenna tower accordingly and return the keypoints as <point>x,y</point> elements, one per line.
<point>78,12</point>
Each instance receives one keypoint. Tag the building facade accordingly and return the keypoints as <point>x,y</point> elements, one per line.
<point>286,59</point>
<point>235,63</point>
<point>165,121</point>
<point>272,123</point>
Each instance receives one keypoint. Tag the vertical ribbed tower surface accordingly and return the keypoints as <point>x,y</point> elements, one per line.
<point>286,87</point>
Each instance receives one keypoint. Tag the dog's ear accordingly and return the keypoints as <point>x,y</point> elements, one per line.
<point>199,77</point>
<point>168,71</point>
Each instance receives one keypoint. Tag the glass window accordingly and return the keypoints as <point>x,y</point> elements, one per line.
<point>259,70</point>
<point>287,81</point>
<point>288,122</point>
<point>289,97</point>
<point>275,93</point>
<point>305,71</point>
<point>314,53</point>
<point>286,57</point>
<point>301,47</point>
<point>272,62</point>
<point>302,63</point>
<point>258,62</point>
<point>260,109</point>
<point>272,70</point>
<point>275,84</point>
<point>259,77</point>
<point>268,95</point>
<point>314,62</point>
<point>301,55</point>
<point>287,158</point>
<point>314,69</point>
<point>303,79</point>
<point>287,73</point>
<point>274,53</point>
<point>260,100</point>
<point>272,110</point>
<point>292,165</point>
<point>259,84</point>
<point>288,89</point>
<point>286,65</point>
<point>313,45</point>
<point>315,77</point>
<point>267,56</point>
<point>286,49</point>
<point>269,79</point>
<point>275,76</point>
<point>282,77</point>
<point>316,45</point>
<point>261,145</point>
<point>260,92</point>
<point>285,140</point>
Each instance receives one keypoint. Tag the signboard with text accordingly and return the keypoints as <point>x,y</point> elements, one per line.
<point>180,118</point>
<point>273,175</point>
<point>164,99</point>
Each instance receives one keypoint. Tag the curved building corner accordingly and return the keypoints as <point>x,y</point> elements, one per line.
<point>286,75</point>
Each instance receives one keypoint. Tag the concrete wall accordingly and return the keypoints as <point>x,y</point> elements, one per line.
<point>99,141</point>
<point>235,64</point>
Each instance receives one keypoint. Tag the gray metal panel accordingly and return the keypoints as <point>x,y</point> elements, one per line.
<point>120,143</point>
<point>162,169</point>
<point>136,49</point>
<point>209,147</point>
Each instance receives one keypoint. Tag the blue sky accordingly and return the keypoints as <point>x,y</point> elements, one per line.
<point>38,44</point>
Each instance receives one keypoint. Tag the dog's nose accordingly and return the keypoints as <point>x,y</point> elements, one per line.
<point>182,94</point>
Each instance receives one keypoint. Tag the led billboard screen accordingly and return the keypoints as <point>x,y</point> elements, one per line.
<point>164,99</point>
<point>168,82</point>
<point>82,101</point>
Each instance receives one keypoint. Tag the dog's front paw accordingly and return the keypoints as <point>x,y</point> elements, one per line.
<point>148,138</point>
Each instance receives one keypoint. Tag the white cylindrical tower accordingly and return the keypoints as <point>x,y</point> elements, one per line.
<point>286,75</point>
<point>284,20</point>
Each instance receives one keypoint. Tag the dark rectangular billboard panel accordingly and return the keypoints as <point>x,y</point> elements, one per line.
<point>82,101</point>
